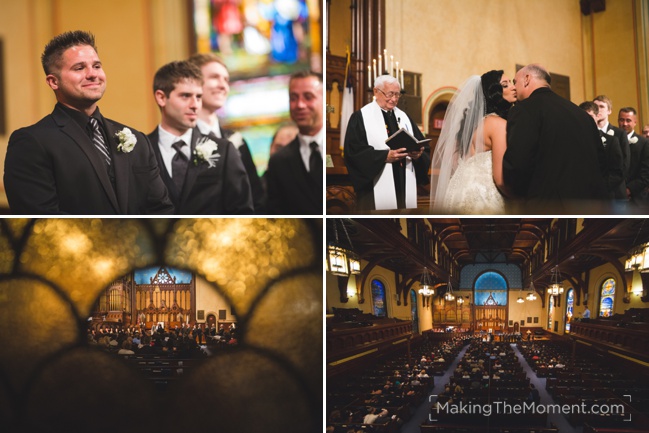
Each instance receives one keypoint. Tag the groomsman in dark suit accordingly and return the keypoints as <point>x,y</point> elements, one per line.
<point>76,161</point>
<point>204,174</point>
<point>295,172</point>
<point>605,106</point>
<point>216,86</point>
<point>610,157</point>
<point>637,182</point>
<point>551,159</point>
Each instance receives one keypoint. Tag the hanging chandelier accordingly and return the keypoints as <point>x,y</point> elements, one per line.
<point>532,295</point>
<point>556,288</point>
<point>449,291</point>
<point>425,286</point>
<point>460,300</point>
<point>341,259</point>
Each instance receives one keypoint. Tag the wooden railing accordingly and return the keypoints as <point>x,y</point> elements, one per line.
<point>633,341</point>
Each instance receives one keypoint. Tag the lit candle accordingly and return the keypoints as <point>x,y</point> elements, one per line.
<point>401,78</point>
<point>391,63</point>
<point>374,62</point>
<point>385,58</point>
<point>396,71</point>
<point>369,76</point>
<point>380,65</point>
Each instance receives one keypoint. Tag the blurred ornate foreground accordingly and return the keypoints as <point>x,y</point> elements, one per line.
<point>53,270</point>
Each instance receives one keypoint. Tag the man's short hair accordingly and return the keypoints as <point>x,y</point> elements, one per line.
<point>606,100</point>
<point>628,110</point>
<point>172,73</point>
<point>385,79</point>
<point>589,106</point>
<point>202,59</point>
<point>539,72</point>
<point>305,74</point>
<point>53,52</point>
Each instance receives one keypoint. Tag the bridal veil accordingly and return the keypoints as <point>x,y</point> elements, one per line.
<point>461,137</point>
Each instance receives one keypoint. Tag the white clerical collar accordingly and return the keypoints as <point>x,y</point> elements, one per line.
<point>206,128</point>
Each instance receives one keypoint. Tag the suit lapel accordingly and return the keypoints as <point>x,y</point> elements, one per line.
<point>164,174</point>
<point>121,165</point>
<point>72,130</point>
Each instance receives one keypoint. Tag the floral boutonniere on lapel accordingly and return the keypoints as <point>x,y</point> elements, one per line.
<point>236,139</point>
<point>126,140</point>
<point>206,151</point>
<point>633,140</point>
<point>603,140</point>
<point>610,132</point>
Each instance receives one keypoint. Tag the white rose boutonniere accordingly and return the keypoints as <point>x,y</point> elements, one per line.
<point>126,140</point>
<point>206,151</point>
<point>603,139</point>
<point>633,140</point>
<point>610,132</point>
<point>236,139</point>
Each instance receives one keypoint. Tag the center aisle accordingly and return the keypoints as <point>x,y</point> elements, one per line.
<point>421,415</point>
<point>558,420</point>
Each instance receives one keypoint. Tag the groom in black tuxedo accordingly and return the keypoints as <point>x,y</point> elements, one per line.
<point>73,161</point>
<point>551,159</point>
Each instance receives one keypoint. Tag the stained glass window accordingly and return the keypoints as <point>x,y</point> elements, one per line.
<point>550,312</point>
<point>570,303</point>
<point>413,312</point>
<point>607,298</point>
<point>490,289</point>
<point>378,299</point>
<point>52,272</point>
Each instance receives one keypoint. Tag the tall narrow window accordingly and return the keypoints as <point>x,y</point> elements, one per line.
<point>607,298</point>
<point>378,298</point>
<point>413,311</point>
<point>570,302</point>
<point>550,312</point>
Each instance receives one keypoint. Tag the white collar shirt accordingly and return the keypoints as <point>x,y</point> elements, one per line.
<point>166,140</point>
<point>305,146</point>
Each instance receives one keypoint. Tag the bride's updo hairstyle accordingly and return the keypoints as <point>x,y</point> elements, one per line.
<point>493,93</point>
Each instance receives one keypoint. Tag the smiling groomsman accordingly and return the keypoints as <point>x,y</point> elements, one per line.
<point>74,160</point>
<point>204,174</point>
<point>637,182</point>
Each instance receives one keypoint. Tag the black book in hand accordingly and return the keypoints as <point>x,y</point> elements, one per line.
<point>403,139</point>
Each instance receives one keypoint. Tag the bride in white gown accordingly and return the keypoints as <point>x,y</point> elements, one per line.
<point>467,162</point>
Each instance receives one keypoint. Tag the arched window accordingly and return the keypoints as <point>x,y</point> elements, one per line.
<point>570,303</point>
<point>413,311</point>
<point>378,299</point>
<point>607,298</point>
<point>550,312</point>
<point>490,289</point>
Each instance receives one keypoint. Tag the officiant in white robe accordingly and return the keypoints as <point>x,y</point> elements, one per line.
<point>383,179</point>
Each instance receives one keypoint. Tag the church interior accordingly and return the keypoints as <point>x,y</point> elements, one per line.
<point>590,48</point>
<point>487,325</point>
<point>150,325</point>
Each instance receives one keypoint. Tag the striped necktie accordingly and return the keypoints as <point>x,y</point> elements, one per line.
<point>98,141</point>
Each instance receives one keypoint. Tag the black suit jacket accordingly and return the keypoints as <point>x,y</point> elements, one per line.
<point>612,166</point>
<point>291,189</point>
<point>551,158</point>
<point>256,187</point>
<point>52,167</point>
<point>638,179</point>
<point>219,190</point>
<point>624,146</point>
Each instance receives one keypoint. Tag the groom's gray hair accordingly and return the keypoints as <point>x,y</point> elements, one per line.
<point>385,79</point>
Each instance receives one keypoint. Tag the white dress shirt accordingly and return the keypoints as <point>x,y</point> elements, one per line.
<point>166,140</point>
<point>305,146</point>
<point>206,128</point>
